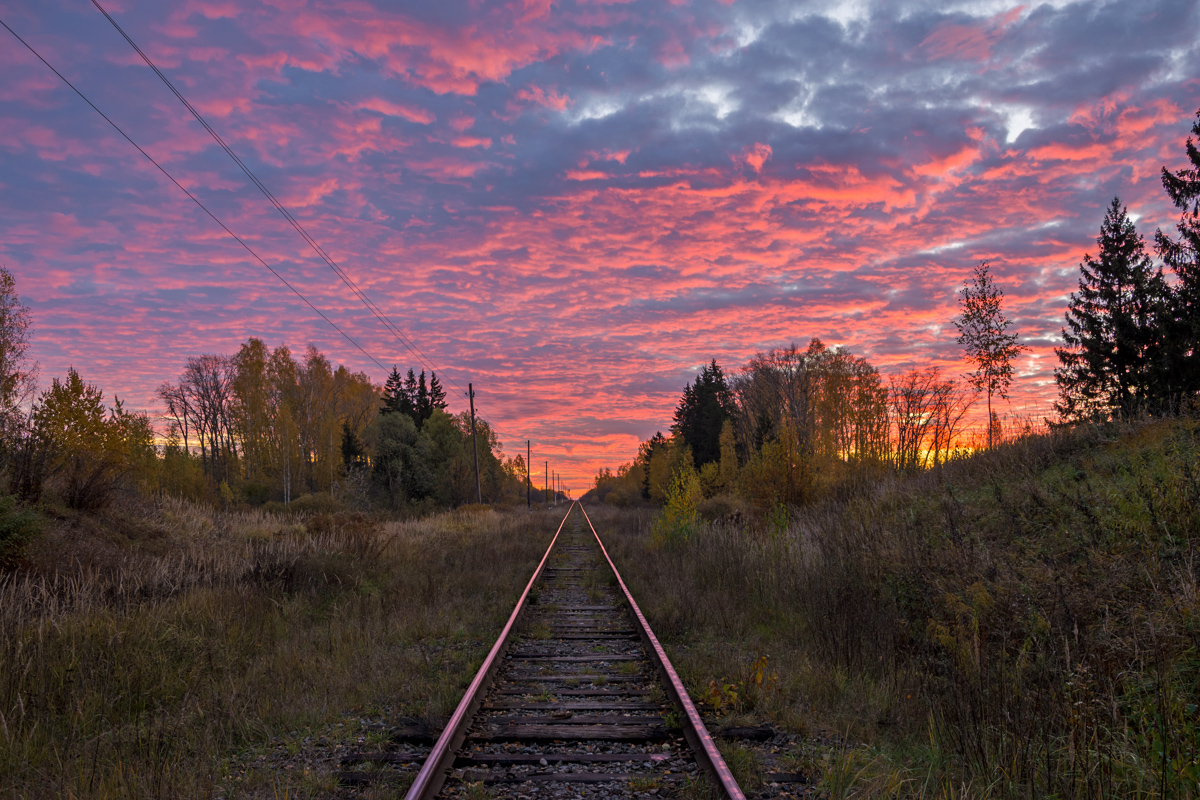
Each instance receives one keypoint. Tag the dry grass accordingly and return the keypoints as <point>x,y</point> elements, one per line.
<point>144,650</point>
<point>1024,622</point>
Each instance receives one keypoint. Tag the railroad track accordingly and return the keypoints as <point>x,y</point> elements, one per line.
<point>576,697</point>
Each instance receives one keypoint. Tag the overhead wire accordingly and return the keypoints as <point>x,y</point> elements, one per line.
<point>316,247</point>
<point>422,359</point>
<point>192,197</point>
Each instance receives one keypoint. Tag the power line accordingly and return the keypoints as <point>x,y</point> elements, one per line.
<point>370,304</point>
<point>287,215</point>
<point>192,197</point>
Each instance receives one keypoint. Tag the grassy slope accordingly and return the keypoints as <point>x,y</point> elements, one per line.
<point>151,651</point>
<point>1023,622</point>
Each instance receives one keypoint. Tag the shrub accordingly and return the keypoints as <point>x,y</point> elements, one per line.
<point>680,517</point>
<point>17,526</point>
<point>91,452</point>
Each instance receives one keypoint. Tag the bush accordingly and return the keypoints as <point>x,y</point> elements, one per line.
<point>17,526</point>
<point>316,503</point>
<point>91,453</point>
<point>680,517</point>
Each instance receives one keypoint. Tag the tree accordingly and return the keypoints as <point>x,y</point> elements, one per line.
<point>983,333</point>
<point>396,399</point>
<point>1113,362</point>
<point>650,453</point>
<point>17,375</point>
<point>91,451</point>
<point>252,410</point>
<point>424,409</point>
<point>437,394</point>
<point>207,386</point>
<point>729,457</point>
<point>1182,255</point>
<point>402,457</point>
<point>702,412</point>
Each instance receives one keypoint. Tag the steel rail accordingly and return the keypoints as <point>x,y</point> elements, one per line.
<point>694,730</point>
<point>433,772</point>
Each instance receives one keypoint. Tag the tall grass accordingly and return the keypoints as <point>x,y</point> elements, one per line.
<point>140,653</point>
<point>1022,622</point>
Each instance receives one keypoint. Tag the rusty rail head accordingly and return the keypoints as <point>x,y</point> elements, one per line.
<point>433,772</point>
<point>694,730</point>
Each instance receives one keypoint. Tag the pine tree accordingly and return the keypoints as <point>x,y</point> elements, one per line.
<point>437,395</point>
<point>702,411</point>
<point>983,332</point>
<point>1113,362</point>
<point>1182,255</point>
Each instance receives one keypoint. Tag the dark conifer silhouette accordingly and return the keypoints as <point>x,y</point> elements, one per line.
<point>1182,255</point>
<point>1114,355</point>
<point>702,411</point>
<point>353,453</point>
<point>421,402</point>
<point>437,395</point>
<point>395,398</point>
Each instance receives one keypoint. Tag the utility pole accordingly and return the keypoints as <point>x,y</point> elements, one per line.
<point>546,484</point>
<point>474,443</point>
<point>528,480</point>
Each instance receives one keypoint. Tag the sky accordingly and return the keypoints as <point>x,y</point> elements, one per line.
<point>575,205</point>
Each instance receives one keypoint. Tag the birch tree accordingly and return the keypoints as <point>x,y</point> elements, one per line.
<point>983,333</point>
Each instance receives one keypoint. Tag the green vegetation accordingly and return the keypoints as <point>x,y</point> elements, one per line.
<point>158,650</point>
<point>1024,622</point>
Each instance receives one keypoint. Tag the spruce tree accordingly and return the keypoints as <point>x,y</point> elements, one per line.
<point>421,403</point>
<point>410,391</point>
<point>394,399</point>
<point>1182,255</point>
<point>1113,360</point>
<point>437,395</point>
<point>702,411</point>
<point>353,454</point>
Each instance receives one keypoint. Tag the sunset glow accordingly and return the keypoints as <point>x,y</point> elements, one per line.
<point>575,205</point>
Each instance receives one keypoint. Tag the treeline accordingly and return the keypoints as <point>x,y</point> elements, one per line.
<point>790,420</point>
<point>263,426</point>
<point>259,426</point>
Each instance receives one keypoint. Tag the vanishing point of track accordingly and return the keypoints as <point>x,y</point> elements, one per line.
<point>576,697</point>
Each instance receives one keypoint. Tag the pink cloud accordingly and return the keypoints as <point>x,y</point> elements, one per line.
<point>968,42</point>
<point>388,108</point>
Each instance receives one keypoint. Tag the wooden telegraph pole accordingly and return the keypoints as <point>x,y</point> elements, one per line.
<point>546,484</point>
<point>474,443</point>
<point>528,480</point>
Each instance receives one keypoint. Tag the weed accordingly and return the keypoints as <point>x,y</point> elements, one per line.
<point>643,784</point>
<point>476,790</point>
<point>744,764</point>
